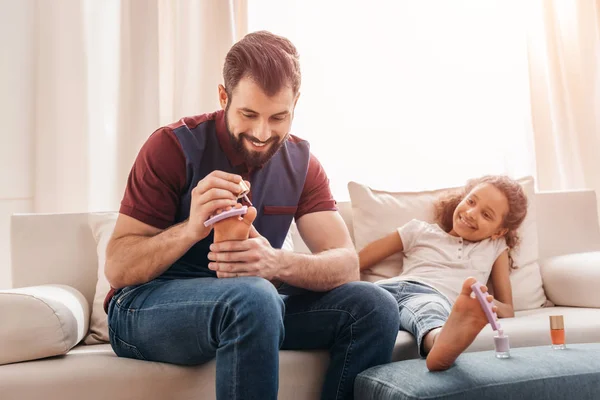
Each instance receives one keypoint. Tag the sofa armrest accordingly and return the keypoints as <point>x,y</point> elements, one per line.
<point>572,280</point>
<point>41,321</point>
<point>562,233</point>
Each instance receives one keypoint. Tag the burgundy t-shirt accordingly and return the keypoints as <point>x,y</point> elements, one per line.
<point>158,177</point>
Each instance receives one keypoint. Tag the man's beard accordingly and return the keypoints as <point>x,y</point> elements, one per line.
<point>254,159</point>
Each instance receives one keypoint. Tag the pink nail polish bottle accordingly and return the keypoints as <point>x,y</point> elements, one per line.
<point>501,344</point>
<point>500,339</point>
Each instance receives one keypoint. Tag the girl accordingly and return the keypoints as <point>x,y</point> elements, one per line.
<point>476,227</point>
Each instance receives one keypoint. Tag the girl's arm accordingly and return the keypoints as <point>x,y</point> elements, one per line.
<point>500,279</point>
<point>379,250</point>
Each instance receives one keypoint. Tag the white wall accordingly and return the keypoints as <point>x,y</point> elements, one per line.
<point>17,110</point>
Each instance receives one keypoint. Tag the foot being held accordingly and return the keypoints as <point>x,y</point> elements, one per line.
<point>234,228</point>
<point>465,322</point>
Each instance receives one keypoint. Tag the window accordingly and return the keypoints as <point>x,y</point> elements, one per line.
<point>408,95</point>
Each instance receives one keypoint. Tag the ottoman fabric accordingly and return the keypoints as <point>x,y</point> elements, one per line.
<point>531,373</point>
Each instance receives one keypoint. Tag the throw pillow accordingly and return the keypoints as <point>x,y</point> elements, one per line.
<point>102,226</point>
<point>377,213</point>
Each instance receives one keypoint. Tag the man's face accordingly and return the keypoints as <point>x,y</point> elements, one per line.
<point>258,124</point>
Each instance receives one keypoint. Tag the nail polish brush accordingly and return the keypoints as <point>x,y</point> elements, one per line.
<point>244,193</point>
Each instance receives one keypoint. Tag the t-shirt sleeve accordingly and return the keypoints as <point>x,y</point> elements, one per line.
<point>316,194</point>
<point>156,181</point>
<point>409,233</point>
<point>500,246</point>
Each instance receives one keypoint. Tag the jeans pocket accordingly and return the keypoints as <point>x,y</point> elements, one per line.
<point>124,294</point>
<point>122,348</point>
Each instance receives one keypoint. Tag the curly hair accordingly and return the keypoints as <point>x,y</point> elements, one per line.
<point>517,206</point>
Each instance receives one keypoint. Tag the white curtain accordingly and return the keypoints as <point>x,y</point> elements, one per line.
<point>17,91</point>
<point>564,57</point>
<point>409,95</point>
<point>108,74</point>
<point>85,82</point>
<point>412,95</point>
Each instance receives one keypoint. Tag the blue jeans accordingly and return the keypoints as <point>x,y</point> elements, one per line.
<point>244,322</point>
<point>421,308</point>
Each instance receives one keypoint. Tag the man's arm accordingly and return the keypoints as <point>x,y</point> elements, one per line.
<point>138,253</point>
<point>334,260</point>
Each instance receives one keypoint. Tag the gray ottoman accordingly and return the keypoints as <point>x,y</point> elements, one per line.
<point>530,373</point>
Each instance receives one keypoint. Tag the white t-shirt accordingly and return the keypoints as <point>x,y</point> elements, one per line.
<point>443,261</point>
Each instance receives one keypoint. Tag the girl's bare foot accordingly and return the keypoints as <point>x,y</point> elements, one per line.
<point>234,228</point>
<point>465,322</point>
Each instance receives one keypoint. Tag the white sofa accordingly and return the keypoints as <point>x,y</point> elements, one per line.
<point>59,249</point>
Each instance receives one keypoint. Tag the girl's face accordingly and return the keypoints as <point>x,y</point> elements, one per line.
<point>480,214</point>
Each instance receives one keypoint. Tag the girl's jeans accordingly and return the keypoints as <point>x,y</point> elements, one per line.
<point>421,308</point>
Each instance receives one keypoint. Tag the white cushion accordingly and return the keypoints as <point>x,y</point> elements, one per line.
<point>376,213</point>
<point>572,280</point>
<point>102,226</point>
<point>96,373</point>
<point>40,321</point>
<point>532,328</point>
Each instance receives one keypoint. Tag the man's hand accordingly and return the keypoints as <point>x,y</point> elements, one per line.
<point>252,257</point>
<point>217,190</point>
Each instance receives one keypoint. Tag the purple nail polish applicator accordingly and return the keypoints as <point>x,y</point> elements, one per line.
<point>226,214</point>
<point>500,340</point>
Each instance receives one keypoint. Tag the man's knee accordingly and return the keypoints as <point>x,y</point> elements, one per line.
<point>257,298</point>
<point>372,302</point>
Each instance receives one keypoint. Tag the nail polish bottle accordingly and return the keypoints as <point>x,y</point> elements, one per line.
<point>244,192</point>
<point>501,344</point>
<point>557,332</point>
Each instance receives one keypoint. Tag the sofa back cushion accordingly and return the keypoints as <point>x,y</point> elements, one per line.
<point>54,249</point>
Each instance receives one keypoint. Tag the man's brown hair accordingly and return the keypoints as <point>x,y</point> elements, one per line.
<point>271,61</point>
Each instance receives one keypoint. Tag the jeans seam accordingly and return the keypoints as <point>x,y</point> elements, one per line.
<point>119,297</point>
<point>227,304</point>
<point>121,307</point>
<point>131,347</point>
<point>419,326</point>
<point>235,355</point>
<point>423,329</point>
<point>348,351</point>
<point>346,358</point>
<point>324,310</point>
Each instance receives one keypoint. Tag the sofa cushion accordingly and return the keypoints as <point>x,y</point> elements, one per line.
<point>376,213</point>
<point>532,328</point>
<point>96,373</point>
<point>40,321</point>
<point>572,279</point>
<point>530,373</point>
<point>102,226</point>
<point>527,328</point>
